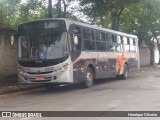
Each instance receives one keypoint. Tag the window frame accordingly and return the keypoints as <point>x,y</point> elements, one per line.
<point>91,40</point>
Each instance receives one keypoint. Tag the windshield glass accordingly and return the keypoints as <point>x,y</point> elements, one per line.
<point>42,46</point>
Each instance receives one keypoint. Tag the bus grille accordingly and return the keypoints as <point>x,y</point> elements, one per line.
<point>37,73</point>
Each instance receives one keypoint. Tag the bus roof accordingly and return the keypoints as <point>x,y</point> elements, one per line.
<point>69,22</point>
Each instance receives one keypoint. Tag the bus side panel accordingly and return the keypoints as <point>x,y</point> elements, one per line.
<point>81,64</point>
<point>133,61</point>
<point>101,63</point>
<point>80,67</point>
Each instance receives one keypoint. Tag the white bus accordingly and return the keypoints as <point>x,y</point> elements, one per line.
<point>61,51</point>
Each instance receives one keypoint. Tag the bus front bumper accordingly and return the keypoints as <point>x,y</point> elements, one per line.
<point>65,77</point>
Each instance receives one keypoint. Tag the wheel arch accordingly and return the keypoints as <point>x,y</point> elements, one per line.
<point>93,70</point>
<point>127,65</point>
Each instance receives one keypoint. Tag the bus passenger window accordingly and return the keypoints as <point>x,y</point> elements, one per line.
<point>88,34</point>
<point>89,45</point>
<point>89,42</point>
<point>106,37</point>
<point>136,44</point>
<point>101,46</point>
<point>119,48</point>
<point>99,36</point>
<point>125,44</point>
<point>132,46</point>
<point>110,47</point>
<point>131,41</point>
<point>102,36</point>
<point>75,36</point>
<point>78,43</point>
<point>118,39</point>
<point>125,40</point>
<point>113,38</point>
<point>109,39</point>
<point>77,30</point>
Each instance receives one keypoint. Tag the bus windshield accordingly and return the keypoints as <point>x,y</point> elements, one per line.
<point>42,46</point>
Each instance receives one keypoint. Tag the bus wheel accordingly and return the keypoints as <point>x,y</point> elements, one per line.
<point>88,82</point>
<point>124,76</point>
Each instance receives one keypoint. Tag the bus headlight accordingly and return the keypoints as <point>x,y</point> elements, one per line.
<point>65,66</point>
<point>22,74</point>
<point>62,69</point>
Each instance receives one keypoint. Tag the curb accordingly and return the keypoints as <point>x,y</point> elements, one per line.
<point>17,88</point>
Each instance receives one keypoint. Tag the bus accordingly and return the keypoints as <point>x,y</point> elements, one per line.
<point>59,51</point>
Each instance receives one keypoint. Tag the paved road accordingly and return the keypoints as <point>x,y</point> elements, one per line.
<point>141,92</point>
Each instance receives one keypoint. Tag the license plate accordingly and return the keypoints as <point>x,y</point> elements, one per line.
<point>39,78</point>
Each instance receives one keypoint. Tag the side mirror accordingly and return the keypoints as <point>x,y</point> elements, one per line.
<point>75,40</point>
<point>12,40</point>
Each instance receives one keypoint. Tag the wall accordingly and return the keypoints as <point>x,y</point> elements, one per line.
<point>144,54</point>
<point>8,54</point>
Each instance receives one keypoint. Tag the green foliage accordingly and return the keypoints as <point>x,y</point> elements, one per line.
<point>31,10</point>
<point>13,12</point>
<point>8,12</point>
<point>103,11</point>
<point>61,9</point>
<point>140,17</point>
<point>143,20</point>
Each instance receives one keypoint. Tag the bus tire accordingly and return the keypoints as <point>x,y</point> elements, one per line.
<point>124,76</point>
<point>88,82</point>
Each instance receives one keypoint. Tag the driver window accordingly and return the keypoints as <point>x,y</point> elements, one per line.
<point>76,38</point>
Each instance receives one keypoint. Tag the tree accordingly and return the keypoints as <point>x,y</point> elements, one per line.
<point>50,8</point>
<point>61,7</point>
<point>31,10</point>
<point>61,13</point>
<point>144,21</point>
<point>106,10</point>
<point>8,12</point>
<point>14,12</point>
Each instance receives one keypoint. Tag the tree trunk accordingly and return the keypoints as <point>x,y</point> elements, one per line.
<point>114,22</point>
<point>151,48</point>
<point>59,8</point>
<point>119,12</point>
<point>49,8</point>
<point>65,9</point>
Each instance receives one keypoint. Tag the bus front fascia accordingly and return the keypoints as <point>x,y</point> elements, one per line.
<point>61,73</point>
